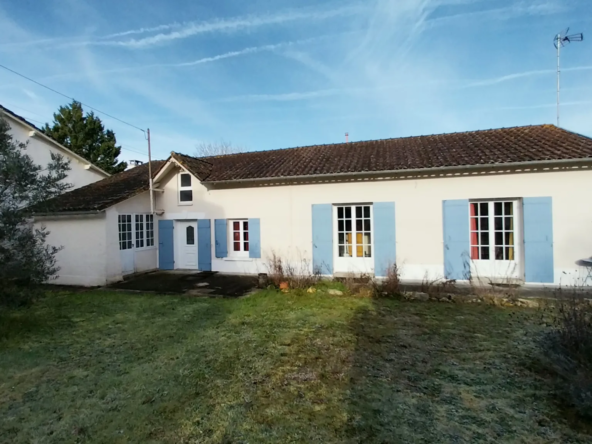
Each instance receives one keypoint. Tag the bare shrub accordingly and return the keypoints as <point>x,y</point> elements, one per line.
<point>298,275</point>
<point>437,287</point>
<point>390,285</point>
<point>566,347</point>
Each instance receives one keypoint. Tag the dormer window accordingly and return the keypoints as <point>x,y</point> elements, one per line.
<point>185,190</point>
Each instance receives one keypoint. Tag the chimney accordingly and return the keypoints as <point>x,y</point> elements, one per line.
<point>346,137</point>
<point>134,163</point>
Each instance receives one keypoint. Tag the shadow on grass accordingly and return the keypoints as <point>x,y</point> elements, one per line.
<point>435,372</point>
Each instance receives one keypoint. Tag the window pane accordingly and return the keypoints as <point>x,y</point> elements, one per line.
<point>499,253</point>
<point>367,225</point>
<point>245,225</point>
<point>367,239</point>
<point>236,226</point>
<point>484,223</point>
<point>510,253</point>
<point>237,246</point>
<point>499,223</point>
<point>499,238</point>
<point>474,253</point>
<point>509,239</point>
<point>186,196</point>
<point>367,251</point>
<point>341,251</point>
<point>485,253</point>
<point>475,223</point>
<point>340,225</point>
<point>359,225</point>
<point>484,238</point>
<point>348,212</point>
<point>497,209</point>
<point>246,235</point>
<point>474,209</point>
<point>190,235</point>
<point>508,208</point>
<point>348,225</point>
<point>484,209</point>
<point>359,212</point>
<point>236,235</point>
<point>341,238</point>
<point>339,212</point>
<point>246,244</point>
<point>185,180</point>
<point>366,212</point>
<point>509,223</point>
<point>129,245</point>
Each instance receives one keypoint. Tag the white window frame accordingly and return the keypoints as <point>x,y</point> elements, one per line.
<point>145,231</point>
<point>242,253</point>
<point>182,188</point>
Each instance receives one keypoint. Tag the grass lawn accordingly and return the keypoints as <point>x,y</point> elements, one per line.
<point>114,367</point>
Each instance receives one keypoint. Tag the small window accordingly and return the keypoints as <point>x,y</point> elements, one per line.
<point>185,190</point>
<point>139,231</point>
<point>354,231</point>
<point>190,235</point>
<point>125,231</point>
<point>149,230</point>
<point>239,237</point>
<point>492,231</point>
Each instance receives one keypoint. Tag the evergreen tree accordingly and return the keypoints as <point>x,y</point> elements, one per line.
<point>25,260</point>
<point>86,136</point>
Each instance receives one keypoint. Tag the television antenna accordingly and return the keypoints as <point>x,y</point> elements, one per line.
<point>560,40</point>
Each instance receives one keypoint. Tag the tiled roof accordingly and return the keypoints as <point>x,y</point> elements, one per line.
<point>199,167</point>
<point>474,148</point>
<point>104,193</point>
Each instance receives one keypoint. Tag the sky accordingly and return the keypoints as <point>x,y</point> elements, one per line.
<point>274,74</point>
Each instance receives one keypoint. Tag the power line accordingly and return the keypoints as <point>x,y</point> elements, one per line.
<point>71,98</point>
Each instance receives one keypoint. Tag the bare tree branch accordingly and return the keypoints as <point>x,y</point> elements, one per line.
<point>221,148</point>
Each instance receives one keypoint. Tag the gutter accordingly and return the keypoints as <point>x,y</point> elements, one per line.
<point>68,214</point>
<point>494,166</point>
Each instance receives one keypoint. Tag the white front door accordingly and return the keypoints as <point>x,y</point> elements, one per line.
<point>352,228</point>
<point>495,241</point>
<point>186,250</point>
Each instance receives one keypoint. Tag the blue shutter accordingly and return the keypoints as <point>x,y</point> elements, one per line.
<point>204,245</point>
<point>221,233</point>
<point>456,239</point>
<point>384,237</point>
<point>254,238</point>
<point>166,251</point>
<point>538,239</point>
<point>322,238</point>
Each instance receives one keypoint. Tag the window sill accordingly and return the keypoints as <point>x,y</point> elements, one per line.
<point>238,259</point>
<point>145,248</point>
<point>185,204</point>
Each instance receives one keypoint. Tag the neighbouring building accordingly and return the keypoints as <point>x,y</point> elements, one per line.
<point>40,147</point>
<point>502,205</point>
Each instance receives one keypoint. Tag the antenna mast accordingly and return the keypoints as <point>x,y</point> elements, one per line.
<point>560,40</point>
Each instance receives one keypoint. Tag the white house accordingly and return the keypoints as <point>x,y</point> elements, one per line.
<point>502,205</point>
<point>40,147</point>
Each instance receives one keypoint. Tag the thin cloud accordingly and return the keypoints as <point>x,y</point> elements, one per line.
<point>541,106</point>
<point>215,58</point>
<point>510,12</point>
<point>518,75</point>
<point>231,25</point>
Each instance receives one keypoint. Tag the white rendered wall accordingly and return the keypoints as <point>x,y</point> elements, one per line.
<point>83,258</point>
<point>40,151</point>
<point>286,220</point>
